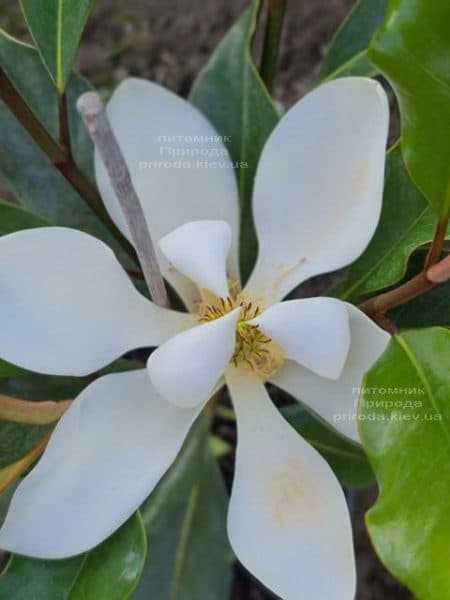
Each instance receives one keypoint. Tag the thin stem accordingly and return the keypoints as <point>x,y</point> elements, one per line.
<point>440,272</point>
<point>25,115</point>
<point>94,116</point>
<point>416,286</point>
<point>434,273</point>
<point>438,243</point>
<point>64,131</point>
<point>272,38</point>
<point>65,165</point>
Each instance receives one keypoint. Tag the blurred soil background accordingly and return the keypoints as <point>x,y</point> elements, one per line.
<point>168,42</point>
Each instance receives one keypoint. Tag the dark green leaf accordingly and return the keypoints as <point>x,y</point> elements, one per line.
<point>412,49</point>
<point>37,185</point>
<point>347,53</point>
<point>9,370</point>
<point>17,439</point>
<point>230,92</point>
<point>110,571</point>
<point>14,218</point>
<point>405,428</point>
<point>189,556</point>
<point>56,27</point>
<point>406,223</point>
<point>346,458</point>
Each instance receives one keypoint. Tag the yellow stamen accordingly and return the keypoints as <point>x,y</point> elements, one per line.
<point>253,348</point>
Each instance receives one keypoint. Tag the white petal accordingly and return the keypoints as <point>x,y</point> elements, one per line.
<point>337,401</point>
<point>315,332</point>
<point>104,458</point>
<point>199,250</point>
<point>67,306</point>
<point>163,139</point>
<point>318,188</point>
<point>288,521</point>
<point>185,369</point>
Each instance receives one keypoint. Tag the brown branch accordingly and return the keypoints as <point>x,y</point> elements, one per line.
<point>438,243</point>
<point>65,165</point>
<point>416,286</point>
<point>94,116</point>
<point>27,118</point>
<point>433,273</point>
<point>64,131</point>
<point>440,272</point>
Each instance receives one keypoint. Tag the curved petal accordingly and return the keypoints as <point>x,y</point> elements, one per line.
<point>199,250</point>
<point>315,332</point>
<point>104,458</point>
<point>337,401</point>
<point>288,521</point>
<point>67,306</point>
<point>318,188</point>
<point>178,164</point>
<point>185,369</point>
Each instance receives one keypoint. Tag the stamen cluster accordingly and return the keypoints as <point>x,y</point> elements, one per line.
<point>253,348</point>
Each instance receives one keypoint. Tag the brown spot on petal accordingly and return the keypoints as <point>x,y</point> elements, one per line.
<point>289,496</point>
<point>359,175</point>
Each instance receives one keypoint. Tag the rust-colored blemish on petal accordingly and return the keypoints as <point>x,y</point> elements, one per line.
<point>290,498</point>
<point>359,175</point>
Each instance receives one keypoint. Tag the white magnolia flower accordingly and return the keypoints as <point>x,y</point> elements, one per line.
<point>68,308</point>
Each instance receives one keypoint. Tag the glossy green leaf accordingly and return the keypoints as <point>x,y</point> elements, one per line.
<point>9,370</point>
<point>412,49</point>
<point>37,185</point>
<point>405,428</point>
<point>110,571</point>
<point>347,53</point>
<point>56,27</point>
<point>189,557</point>
<point>17,439</point>
<point>14,218</point>
<point>428,310</point>
<point>346,458</point>
<point>406,223</point>
<point>230,92</point>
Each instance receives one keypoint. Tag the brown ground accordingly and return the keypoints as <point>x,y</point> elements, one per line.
<point>169,42</point>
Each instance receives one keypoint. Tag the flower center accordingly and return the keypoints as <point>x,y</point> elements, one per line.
<point>253,349</point>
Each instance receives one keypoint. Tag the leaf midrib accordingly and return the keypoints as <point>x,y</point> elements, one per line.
<point>180,555</point>
<point>333,450</point>
<point>423,378</point>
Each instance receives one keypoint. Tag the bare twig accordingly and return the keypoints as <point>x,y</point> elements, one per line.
<point>94,116</point>
<point>65,165</point>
